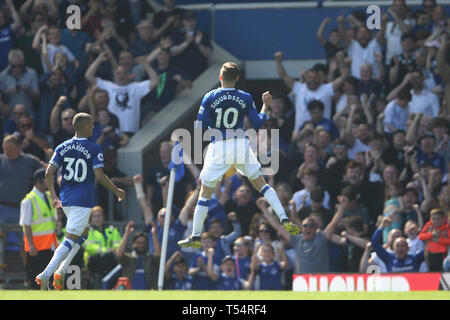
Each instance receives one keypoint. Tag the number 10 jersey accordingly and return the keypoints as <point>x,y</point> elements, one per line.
<point>78,158</point>
<point>225,108</point>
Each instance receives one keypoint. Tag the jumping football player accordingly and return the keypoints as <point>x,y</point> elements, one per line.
<point>224,109</point>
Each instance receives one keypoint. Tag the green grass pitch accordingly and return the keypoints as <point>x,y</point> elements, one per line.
<point>217,295</point>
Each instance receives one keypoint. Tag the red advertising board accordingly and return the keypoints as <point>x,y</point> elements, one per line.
<point>367,282</point>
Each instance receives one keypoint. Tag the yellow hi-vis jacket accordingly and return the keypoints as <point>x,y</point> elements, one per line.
<point>43,223</point>
<point>96,242</point>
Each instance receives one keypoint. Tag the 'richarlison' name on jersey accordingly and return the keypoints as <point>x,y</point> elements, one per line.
<point>78,158</point>
<point>225,109</point>
<point>78,148</point>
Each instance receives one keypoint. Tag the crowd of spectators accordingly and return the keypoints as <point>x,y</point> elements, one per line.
<point>126,63</point>
<point>364,141</point>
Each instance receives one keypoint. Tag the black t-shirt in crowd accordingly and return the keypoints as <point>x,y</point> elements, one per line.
<point>179,195</point>
<point>243,213</point>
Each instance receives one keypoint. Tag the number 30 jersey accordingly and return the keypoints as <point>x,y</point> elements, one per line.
<point>225,108</point>
<point>78,158</point>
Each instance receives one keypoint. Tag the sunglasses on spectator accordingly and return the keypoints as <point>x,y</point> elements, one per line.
<point>239,244</point>
<point>161,215</point>
<point>17,65</point>
<point>264,230</point>
<point>308,225</point>
<point>19,113</point>
<point>67,119</point>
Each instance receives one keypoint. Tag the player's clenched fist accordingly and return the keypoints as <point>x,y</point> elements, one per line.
<point>267,98</point>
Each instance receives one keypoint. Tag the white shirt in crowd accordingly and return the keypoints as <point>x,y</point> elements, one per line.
<point>428,81</point>
<point>343,102</point>
<point>298,196</point>
<point>393,37</point>
<point>415,246</point>
<point>360,55</point>
<point>425,102</point>
<point>358,147</point>
<point>395,116</point>
<point>52,50</point>
<point>303,96</point>
<point>125,102</point>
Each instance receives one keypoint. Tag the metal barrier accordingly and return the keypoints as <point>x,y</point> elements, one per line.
<point>12,257</point>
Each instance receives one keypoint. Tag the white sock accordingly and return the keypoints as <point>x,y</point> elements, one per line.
<point>272,198</point>
<point>66,263</point>
<point>60,254</point>
<point>200,213</point>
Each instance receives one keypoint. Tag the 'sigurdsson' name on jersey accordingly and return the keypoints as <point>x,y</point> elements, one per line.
<point>76,147</point>
<point>228,97</point>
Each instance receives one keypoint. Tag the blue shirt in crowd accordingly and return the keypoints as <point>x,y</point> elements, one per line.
<point>139,282</point>
<point>201,280</point>
<point>409,264</point>
<point>270,276</point>
<point>228,283</point>
<point>183,284</point>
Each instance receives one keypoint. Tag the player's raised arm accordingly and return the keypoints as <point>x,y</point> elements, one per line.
<point>267,102</point>
<point>258,119</point>
<point>104,180</point>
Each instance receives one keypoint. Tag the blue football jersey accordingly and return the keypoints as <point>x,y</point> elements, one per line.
<point>226,283</point>
<point>270,276</point>
<point>78,158</point>
<point>225,108</point>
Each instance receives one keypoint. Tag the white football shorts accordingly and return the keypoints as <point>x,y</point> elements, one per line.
<point>77,219</point>
<point>224,153</point>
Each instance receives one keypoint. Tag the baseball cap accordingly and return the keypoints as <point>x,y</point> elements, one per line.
<point>398,131</point>
<point>39,174</point>
<point>189,15</point>
<point>226,258</point>
<point>427,135</point>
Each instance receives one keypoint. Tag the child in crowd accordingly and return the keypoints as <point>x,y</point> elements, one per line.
<point>242,257</point>
<point>198,264</point>
<point>415,245</point>
<point>227,278</point>
<point>436,235</point>
<point>392,207</point>
<point>268,269</point>
<point>176,273</point>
